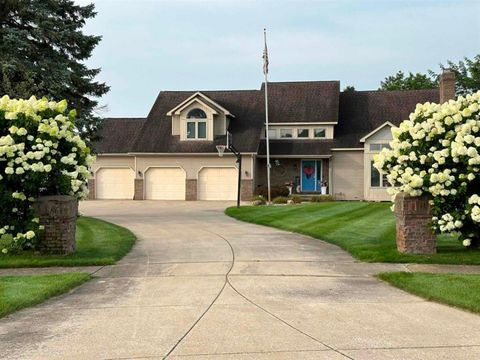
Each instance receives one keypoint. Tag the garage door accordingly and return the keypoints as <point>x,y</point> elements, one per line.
<point>115,183</point>
<point>165,184</point>
<point>217,184</point>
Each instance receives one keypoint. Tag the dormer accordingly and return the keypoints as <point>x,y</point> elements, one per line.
<point>199,118</point>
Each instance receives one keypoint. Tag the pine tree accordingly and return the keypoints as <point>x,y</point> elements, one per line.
<point>42,53</point>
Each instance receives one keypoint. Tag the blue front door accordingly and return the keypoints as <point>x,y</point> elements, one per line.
<point>309,175</point>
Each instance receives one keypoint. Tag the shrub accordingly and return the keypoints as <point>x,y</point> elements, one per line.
<point>40,154</point>
<point>259,200</point>
<point>322,198</point>
<point>280,200</point>
<point>275,191</point>
<point>436,152</point>
<point>296,199</point>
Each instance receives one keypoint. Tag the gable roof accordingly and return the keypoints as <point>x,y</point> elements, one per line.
<point>374,131</point>
<point>117,135</point>
<point>195,97</point>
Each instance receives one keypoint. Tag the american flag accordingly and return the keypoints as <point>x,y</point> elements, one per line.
<point>265,54</point>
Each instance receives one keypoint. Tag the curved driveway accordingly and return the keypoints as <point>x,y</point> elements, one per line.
<point>199,285</point>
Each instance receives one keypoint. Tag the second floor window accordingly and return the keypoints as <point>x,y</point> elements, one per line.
<point>319,133</point>
<point>196,130</point>
<point>302,133</point>
<point>196,124</point>
<point>286,133</point>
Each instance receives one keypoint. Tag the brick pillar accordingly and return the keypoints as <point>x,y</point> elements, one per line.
<point>58,214</point>
<point>447,86</point>
<point>246,190</point>
<point>191,189</point>
<point>414,235</point>
<point>138,193</point>
<point>91,189</point>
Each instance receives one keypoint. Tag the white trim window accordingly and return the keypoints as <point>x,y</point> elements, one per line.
<point>378,147</point>
<point>286,133</point>
<point>377,179</point>
<point>272,133</point>
<point>196,124</point>
<point>303,133</point>
<point>319,133</point>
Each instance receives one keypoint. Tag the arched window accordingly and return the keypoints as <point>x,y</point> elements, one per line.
<point>196,114</point>
<point>196,124</point>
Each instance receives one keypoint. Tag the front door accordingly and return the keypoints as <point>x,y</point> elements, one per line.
<point>309,175</point>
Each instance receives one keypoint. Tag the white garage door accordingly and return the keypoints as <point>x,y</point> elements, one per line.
<point>165,184</point>
<point>217,184</point>
<point>115,183</point>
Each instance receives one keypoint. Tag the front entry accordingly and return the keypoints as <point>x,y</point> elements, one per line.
<point>311,175</point>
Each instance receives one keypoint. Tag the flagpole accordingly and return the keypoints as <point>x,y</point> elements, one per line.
<point>265,71</point>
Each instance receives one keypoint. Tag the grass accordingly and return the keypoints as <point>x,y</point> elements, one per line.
<point>460,290</point>
<point>98,243</point>
<point>364,229</point>
<point>17,292</point>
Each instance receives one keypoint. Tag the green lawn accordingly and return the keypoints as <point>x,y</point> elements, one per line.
<point>17,292</point>
<point>98,243</point>
<point>365,229</point>
<point>461,290</point>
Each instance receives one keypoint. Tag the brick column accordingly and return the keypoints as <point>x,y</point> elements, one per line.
<point>414,235</point>
<point>138,193</point>
<point>91,189</point>
<point>191,189</point>
<point>58,214</point>
<point>246,190</point>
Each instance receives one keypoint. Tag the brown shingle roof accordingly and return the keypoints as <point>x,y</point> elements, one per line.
<point>363,111</point>
<point>357,113</point>
<point>117,135</point>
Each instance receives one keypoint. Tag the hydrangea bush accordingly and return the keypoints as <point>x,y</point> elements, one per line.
<point>40,154</point>
<point>436,152</point>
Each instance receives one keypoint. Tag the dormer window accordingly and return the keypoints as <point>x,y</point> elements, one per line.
<point>196,124</point>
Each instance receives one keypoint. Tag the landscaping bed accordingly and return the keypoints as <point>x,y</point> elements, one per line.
<point>460,290</point>
<point>17,292</point>
<point>364,229</point>
<point>98,243</point>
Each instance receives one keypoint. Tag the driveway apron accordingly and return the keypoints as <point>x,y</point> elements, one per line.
<point>200,285</point>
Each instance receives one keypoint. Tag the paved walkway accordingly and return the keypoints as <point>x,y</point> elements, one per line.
<point>199,285</point>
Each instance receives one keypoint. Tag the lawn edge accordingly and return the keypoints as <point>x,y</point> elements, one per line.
<point>50,263</point>
<point>61,291</point>
<point>380,276</point>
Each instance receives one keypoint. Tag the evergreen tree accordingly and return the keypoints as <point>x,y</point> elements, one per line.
<point>42,53</point>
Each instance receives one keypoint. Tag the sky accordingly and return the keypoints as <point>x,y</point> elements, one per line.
<point>153,45</point>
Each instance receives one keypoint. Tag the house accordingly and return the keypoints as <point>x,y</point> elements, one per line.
<point>318,136</point>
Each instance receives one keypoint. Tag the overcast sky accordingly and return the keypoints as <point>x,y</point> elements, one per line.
<point>150,46</point>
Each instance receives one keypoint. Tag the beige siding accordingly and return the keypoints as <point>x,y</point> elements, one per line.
<point>109,161</point>
<point>175,125</point>
<point>193,164</point>
<point>347,175</point>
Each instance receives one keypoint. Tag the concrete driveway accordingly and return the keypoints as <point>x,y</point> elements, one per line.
<point>199,285</point>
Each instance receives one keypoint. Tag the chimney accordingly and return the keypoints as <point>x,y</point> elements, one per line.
<point>447,85</point>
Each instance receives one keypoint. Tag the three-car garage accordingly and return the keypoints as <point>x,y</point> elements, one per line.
<point>167,182</point>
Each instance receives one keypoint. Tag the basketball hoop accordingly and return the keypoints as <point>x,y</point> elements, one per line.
<point>221,149</point>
